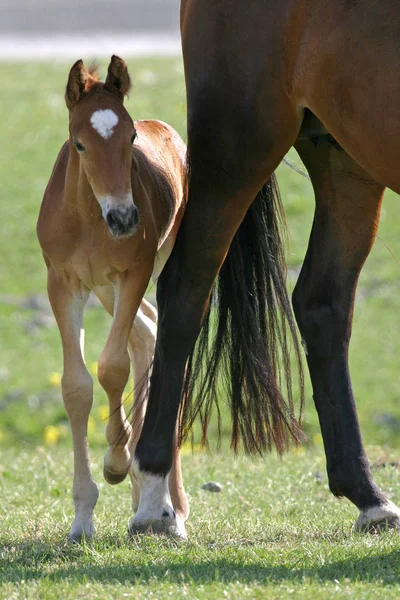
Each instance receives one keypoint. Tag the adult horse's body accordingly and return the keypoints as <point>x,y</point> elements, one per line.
<point>108,220</point>
<point>263,76</point>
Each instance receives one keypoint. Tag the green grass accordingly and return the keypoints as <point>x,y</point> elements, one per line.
<point>274,531</point>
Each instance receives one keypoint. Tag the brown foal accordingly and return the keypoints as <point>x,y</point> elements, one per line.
<point>108,222</point>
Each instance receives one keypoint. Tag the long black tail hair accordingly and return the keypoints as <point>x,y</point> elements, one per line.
<point>246,339</point>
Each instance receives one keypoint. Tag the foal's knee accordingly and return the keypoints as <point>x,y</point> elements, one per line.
<point>113,371</point>
<point>77,390</point>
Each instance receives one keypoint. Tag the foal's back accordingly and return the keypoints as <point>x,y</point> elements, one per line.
<point>159,156</point>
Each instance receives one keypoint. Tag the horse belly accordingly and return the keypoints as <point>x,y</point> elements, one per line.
<point>353,87</point>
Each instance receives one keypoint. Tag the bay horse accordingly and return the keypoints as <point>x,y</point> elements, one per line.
<point>263,76</point>
<point>107,223</point>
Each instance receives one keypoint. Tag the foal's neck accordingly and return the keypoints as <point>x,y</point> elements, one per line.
<point>79,199</point>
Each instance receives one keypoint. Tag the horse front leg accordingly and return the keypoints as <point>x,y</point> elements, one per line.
<point>141,345</point>
<point>239,128</point>
<point>77,391</point>
<point>214,211</point>
<point>348,203</point>
<point>114,369</point>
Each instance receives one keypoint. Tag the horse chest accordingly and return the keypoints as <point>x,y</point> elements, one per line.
<point>90,269</point>
<point>93,274</point>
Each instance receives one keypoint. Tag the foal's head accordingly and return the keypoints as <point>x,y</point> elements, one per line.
<point>101,136</point>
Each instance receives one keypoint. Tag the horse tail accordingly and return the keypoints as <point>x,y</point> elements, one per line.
<point>243,352</point>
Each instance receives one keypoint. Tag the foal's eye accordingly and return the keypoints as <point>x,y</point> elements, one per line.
<point>80,147</point>
<point>134,134</point>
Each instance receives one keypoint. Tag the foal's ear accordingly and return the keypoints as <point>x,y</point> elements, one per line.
<point>118,81</point>
<point>76,84</point>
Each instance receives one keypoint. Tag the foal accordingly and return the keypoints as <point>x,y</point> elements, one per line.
<point>108,221</point>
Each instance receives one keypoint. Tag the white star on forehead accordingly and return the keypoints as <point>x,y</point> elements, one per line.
<point>104,122</point>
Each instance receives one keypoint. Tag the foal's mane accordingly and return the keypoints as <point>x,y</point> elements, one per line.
<point>92,77</point>
<point>161,181</point>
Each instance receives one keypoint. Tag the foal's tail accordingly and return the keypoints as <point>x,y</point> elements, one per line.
<point>246,338</point>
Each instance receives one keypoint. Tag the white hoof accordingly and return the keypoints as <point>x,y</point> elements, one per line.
<point>379,518</point>
<point>155,513</point>
<point>172,526</point>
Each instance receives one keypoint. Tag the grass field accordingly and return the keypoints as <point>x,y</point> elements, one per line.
<point>275,530</point>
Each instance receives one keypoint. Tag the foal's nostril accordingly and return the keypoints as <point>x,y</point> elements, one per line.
<point>111,222</point>
<point>135,216</point>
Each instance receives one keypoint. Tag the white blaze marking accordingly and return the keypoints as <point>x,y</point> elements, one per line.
<point>104,122</point>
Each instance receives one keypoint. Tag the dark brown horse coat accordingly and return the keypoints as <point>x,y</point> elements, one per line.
<point>262,76</point>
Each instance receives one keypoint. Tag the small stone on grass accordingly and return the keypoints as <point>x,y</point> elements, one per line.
<point>212,486</point>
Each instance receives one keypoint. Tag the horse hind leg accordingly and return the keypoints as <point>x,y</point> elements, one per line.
<point>348,203</point>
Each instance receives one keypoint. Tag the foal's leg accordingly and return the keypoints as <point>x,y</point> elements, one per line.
<point>141,345</point>
<point>348,203</point>
<point>113,373</point>
<point>77,390</point>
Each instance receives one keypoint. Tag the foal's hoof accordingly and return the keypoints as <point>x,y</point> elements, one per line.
<point>117,463</point>
<point>80,532</point>
<point>379,518</point>
<point>113,478</point>
<point>168,525</point>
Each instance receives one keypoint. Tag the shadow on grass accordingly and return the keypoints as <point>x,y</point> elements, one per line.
<point>35,560</point>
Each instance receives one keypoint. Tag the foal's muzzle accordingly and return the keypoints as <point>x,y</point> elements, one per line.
<point>123,220</point>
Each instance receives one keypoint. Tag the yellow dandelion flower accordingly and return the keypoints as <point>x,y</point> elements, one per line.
<point>103,412</point>
<point>55,379</point>
<point>91,425</point>
<point>317,439</point>
<point>93,369</point>
<point>51,435</point>
<point>198,448</point>
<point>300,450</point>
<point>187,449</point>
